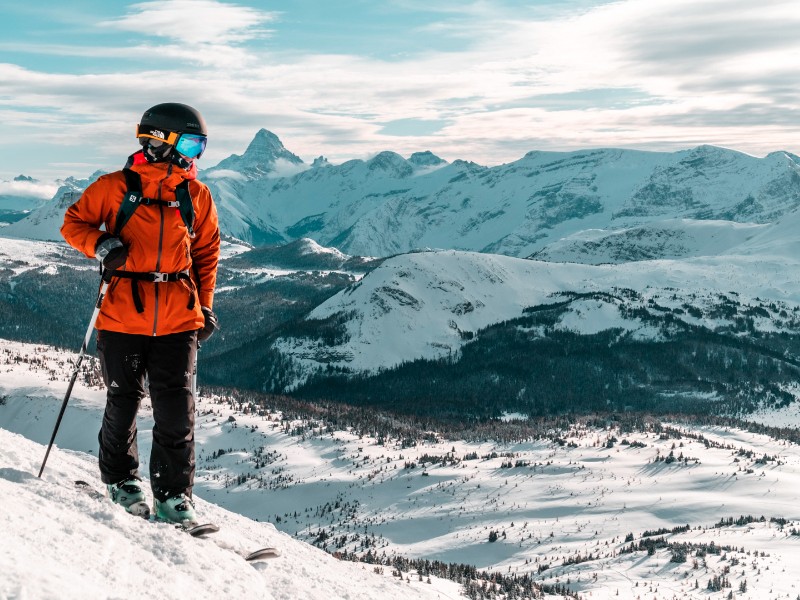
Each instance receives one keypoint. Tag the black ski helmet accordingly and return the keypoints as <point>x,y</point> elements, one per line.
<point>172,117</point>
<point>162,126</point>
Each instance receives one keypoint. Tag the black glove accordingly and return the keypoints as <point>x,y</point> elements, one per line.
<point>111,252</point>
<point>210,326</point>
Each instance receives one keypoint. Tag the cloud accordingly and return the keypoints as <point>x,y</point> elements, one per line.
<point>283,168</point>
<point>224,174</point>
<point>195,22</point>
<point>28,189</point>
<point>659,74</point>
<point>206,33</point>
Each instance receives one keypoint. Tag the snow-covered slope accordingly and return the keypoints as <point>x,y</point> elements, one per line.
<point>58,542</point>
<point>780,239</point>
<point>428,305</point>
<point>671,239</point>
<point>19,255</point>
<point>45,222</point>
<point>608,512</point>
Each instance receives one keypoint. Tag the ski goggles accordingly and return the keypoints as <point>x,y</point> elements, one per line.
<point>191,145</point>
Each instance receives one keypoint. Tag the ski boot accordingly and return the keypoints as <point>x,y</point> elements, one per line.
<point>178,509</point>
<point>129,494</point>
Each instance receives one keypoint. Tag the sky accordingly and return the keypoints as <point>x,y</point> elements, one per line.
<point>479,80</point>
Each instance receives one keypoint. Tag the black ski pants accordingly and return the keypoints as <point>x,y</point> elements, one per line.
<point>168,363</point>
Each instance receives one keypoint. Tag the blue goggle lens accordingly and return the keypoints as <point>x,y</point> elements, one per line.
<point>191,145</point>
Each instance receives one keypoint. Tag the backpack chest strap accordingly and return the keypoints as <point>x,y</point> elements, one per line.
<point>133,199</point>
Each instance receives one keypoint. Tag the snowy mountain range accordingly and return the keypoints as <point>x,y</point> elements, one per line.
<point>390,204</point>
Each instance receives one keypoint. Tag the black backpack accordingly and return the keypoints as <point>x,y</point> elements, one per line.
<point>130,202</point>
<point>133,198</point>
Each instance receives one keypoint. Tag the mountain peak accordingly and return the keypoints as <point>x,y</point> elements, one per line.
<point>425,159</point>
<point>320,162</point>
<point>390,162</point>
<point>265,140</point>
<point>266,146</point>
<point>261,156</point>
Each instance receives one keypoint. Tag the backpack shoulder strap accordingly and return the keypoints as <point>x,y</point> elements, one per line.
<point>133,199</point>
<point>185,206</point>
<point>130,201</point>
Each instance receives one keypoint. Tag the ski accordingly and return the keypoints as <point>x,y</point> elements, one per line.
<point>85,487</point>
<point>263,554</point>
<point>194,529</point>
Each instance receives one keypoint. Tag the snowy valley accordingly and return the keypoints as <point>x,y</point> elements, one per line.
<point>602,507</point>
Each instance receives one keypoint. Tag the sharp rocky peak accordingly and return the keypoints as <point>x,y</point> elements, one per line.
<point>267,144</point>
<point>261,155</point>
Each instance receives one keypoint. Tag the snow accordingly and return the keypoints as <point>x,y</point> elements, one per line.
<point>418,305</point>
<point>19,255</point>
<point>58,542</point>
<point>668,239</point>
<point>312,247</point>
<point>229,249</point>
<point>556,501</point>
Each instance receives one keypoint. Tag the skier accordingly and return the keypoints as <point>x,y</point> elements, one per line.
<point>155,231</point>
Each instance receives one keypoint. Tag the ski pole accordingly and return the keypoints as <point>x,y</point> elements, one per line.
<point>194,375</point>
<point>103,288</point>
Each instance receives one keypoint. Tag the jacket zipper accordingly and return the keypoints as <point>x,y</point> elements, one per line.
<point>160,244</point>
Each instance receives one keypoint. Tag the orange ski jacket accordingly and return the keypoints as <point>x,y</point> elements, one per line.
<point>157,241</point>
